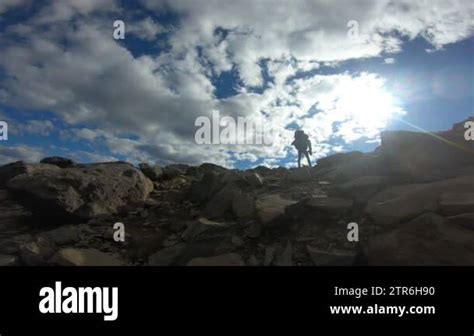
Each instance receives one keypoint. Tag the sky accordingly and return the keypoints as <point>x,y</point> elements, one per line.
<point>343,71</point>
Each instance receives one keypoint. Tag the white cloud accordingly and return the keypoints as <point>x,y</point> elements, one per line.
<point>83,156</point>
<point>316,30</point>
<point>16,153</point>
<point>390,61</point>
<point>38,127</point>
<point>59,10</point>
<point>6,5</point>
<point>147,29</point>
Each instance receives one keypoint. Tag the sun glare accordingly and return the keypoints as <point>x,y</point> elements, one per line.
<point>369,104</point>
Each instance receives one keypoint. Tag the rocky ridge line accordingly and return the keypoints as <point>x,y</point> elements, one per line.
<point>412,198</point>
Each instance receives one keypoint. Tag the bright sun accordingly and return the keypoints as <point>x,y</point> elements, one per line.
<point>370,106</point>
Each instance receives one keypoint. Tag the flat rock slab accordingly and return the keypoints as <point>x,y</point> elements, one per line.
<point>63,235</point>
<point>428,240</point>
<point>362,188</point>
<point>324,206</point>
<point>466,220</point>
<point>229,259</point>
<point>331,257</point>
<point>405,202</point>
<point>456,203</point>
<point>299,174</point>
<point>330,204</point>
<point>84,257</point>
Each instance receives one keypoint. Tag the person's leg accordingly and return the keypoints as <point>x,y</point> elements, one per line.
<point>307,156</point>
<point>299,159</point>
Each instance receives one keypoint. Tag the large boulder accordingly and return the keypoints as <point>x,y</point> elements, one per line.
<point>340,159</point>
<point>243,204</point>
<point>261,170</point>
<point>428,240</point>
<point>11,170</point>
<point>223,192</point>
<point>174,170</point>
<point>426,156</point>
<point>154,173</point>
<point>234,176</point>
<point>204,189</point>
<point>254,179</point>
<point>271,207</point>
<point>222,201</point>
<point>58,161</point>
<point>210,167</point>
<point>84,191</point>
<point>343,167</point>
<point>205,168</point>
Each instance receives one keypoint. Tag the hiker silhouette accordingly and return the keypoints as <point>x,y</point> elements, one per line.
<point>303,146</point>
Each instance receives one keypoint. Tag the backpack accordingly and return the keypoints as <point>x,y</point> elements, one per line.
<point>301,141</point>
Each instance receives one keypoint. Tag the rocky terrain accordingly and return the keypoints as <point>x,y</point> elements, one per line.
<point>412,198</point>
